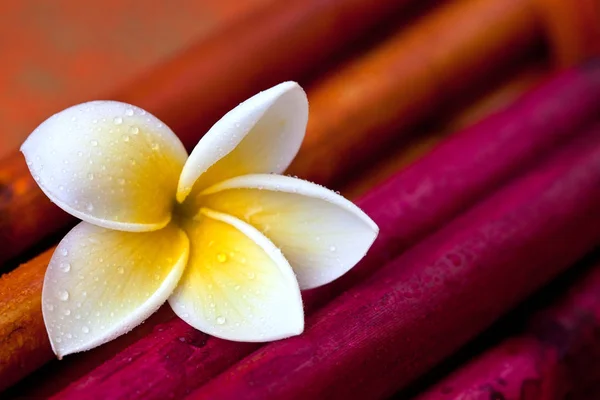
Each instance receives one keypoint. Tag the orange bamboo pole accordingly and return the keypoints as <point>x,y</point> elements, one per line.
<point>423,141</point>
<point>283,40</point>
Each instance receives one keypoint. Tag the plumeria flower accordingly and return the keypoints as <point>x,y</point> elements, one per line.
<point>227,242</point>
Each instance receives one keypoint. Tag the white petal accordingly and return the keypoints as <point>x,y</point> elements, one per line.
<point>102,283</point>
<point>109,163</point>
<point>237,286</point>
<point>321,234</point>
<point>261,135</point>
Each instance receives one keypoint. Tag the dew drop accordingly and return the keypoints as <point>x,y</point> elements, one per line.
<point>64,252</point>
<point>155,146</point>
<point>90,207</point>
<point>50,307</point>
<point>221,320</point>
<point>121,181</point>
<point>90,176</point>
<point>94,143</point>
<point>134,130</point>
<point>125,138</point>
<point>332,248</point>
<point>132,162</point>
<point>67,312</point>
<point>63,295</point>
<point>65,267</point>
<point>221,257</point>
<point>129,112</point>
<point>85,329</point>
<point>118,120</point>
<point>121,270</point>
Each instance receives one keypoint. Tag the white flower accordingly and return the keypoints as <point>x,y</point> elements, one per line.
<point>227,243</point>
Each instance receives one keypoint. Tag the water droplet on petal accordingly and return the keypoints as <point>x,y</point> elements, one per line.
<point>67,312</point>
<point>221,257</point>
<point>63,295</point>
<point>129,112</point>
<point>90,207</point>
<point>332,248</point>
<point>118,120</point>
<point>65,267</point>
<point>85,329</point>
<point>221,320</point>
<point>94,143</point>
<point>121,181</point>
<point>121,270</point>
<point>90,176</point>
<point>64,252</point>
<point>125,138</point>
<point>155,146</point>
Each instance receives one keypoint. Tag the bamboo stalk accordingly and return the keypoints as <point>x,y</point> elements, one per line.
<point>283,40</point>
<point>410,205</point>
<point>556,356</point>
<point>422,142</point>
<point>379,336</point>
<point>448,53</point>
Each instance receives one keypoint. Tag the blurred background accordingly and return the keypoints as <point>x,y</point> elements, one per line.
<point>58,53</point>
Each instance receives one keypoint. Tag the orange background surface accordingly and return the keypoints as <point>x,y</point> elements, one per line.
<point>57,53</point>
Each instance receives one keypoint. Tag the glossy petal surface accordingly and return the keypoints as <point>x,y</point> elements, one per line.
<point>101,283</point>
<point>261,135</point>
<point>108,163</point>
<point>321,234</point>
<point>238,285</point>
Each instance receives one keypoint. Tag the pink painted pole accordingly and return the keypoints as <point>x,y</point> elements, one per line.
<point>379,336</point>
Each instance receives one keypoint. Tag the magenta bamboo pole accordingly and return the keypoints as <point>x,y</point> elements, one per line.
<point>407,207</point>
<point>382,334</point>
<point>558,355</point>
